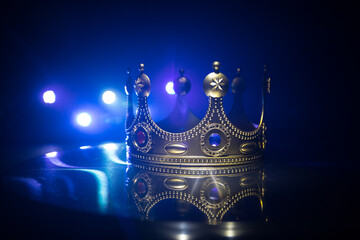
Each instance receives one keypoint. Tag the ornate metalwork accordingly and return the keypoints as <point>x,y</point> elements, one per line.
<point>225,139</point>
<point>142,83</point>
<point>213,195</point>
<point>144,148</point>
<point>175,148</point>
<point>192,147</point>
<point>216,84</point>
<point>182,84</point>
<point>248,147</point>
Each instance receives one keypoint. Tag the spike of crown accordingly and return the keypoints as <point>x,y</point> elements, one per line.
<point>213,141</point>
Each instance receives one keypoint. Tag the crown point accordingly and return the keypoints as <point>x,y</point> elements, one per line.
<point>128,83</point>
<point>141,67</point>
<point>216,84</point>
<point>182,84</point>
<point>238,83</point>
<point>216,66</point>
<point>142,83</point>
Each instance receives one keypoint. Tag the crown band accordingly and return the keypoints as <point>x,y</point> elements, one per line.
<point>196,170</point>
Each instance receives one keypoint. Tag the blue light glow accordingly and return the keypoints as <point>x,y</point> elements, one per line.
<point>102,188</point>
<point>51,154</point>
<point>110,151</point>
<point>109,97</point>
<point>53,158</point>
<point>84,119</point>
<point>110,146</point>
<point>49,97</point>
<point>170,88</point>
<point>57,162</point>
<point>84,147</point>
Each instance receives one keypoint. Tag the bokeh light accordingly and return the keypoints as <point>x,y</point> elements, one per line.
<point>85,147</point>
<point>170,88</point>
<point>109,97</point>
<point>84,119</point>
<point>51,154</point>
<point>109,146</point>
<point>49,97</point>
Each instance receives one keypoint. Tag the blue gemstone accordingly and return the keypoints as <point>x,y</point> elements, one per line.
<point>214,194</point>
<point>214,139</point>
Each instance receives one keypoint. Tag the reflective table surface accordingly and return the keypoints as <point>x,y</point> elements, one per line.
<point>92,191</point>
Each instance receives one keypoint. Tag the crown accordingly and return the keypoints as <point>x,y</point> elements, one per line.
<point>184,140</point>
<point>212,198</point>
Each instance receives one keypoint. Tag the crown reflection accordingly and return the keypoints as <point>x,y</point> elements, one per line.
<point>182,138</point>
<point>225,196</point>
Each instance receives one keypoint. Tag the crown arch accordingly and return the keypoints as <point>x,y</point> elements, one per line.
<point>189,198</point>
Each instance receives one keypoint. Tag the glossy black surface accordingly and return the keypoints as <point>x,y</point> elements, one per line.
<point>93,191</point>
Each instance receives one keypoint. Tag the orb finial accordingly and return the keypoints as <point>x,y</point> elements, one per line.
<point>238,83</point>
<point>182,84</point>
<point>216,66</point>
<point>216,84</point>
<point>142,83</point>
<point>141,67</point>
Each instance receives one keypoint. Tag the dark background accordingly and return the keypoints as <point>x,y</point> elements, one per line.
<point>81,48</point>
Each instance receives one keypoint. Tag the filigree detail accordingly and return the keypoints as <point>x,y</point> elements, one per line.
<point>263,137</point>
<point>141,202</point>
<point>212,195</point>
<point>218,183</point>
<point>228,152</point>
<point>215,127</point>
<point>217,84</point>
<point>229,161</point>
<point>148,145</point>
